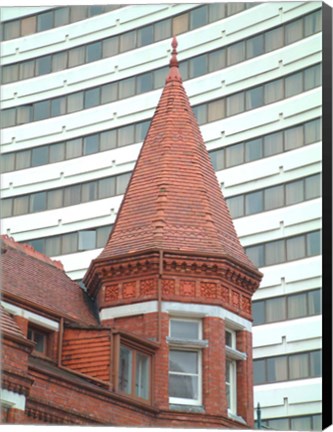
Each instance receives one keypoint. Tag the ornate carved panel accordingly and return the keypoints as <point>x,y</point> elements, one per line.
<point>128,290</point>
<point>225,294</point>
<point>169,286</point>
<point>147,287</point>
<point>235,298</point>
<point>187,288</point>
<point>208,290</point>
<point>111,292</point>
<point>246,304</point>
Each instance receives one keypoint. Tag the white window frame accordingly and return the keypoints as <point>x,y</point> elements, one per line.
<point>232,364</point>
<point>188,345</point>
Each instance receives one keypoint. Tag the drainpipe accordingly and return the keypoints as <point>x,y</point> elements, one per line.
<point>61,334</point>
<point>159,298</point>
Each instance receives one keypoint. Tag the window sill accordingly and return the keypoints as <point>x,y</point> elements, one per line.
<point>236,417</point>
<point>188,343</point>
<point>187,408</point>
<point>235,354</point>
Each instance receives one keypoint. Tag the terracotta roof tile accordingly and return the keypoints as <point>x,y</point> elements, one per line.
<point>32,276</point>
<point>174,201</point>
<point>8,324</point>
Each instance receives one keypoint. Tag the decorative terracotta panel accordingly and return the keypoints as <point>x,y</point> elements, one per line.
<point>111,292</point>
<point>169,286</point>
<point>225,294</point>
<point>208,289</point>
<point>187,288</point>
<point>129,289</point>
<point>246,304</point>
<point>235,298</point>
<point>147,287</point>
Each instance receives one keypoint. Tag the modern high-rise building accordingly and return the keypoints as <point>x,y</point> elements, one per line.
<point>79,88</point>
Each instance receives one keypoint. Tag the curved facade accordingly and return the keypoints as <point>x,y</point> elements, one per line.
<point>79,89</point>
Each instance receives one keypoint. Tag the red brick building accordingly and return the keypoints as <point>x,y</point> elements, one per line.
<point>162,335</point>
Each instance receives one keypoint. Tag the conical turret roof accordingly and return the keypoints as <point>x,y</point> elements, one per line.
<point>173,201</point>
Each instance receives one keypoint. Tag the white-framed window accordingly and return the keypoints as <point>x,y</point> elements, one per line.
<point>185,361</point>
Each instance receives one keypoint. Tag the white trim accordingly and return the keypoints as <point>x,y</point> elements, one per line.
<point>176,308</point>
<point>13,399</point>
<point>31,316</point>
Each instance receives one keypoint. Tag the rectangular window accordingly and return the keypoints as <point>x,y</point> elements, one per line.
<point>313,243</point>
<point>295,248</point>
<point>54,198</point>
<point>273,91</point>
<point>312,77</point>
<point>293,84</point>
<point>91,97</point>
<point>11,29</point>
<point>41,110</point>
<point>180,24</point>
<point>6,207</point>
<point>312,131</point>
<point>87,240</point>
<point>93,52</point>
<point>58,106</point>
<point>216,110</point>
<point>106,187</point>
<point>293,31</point>
<point>236,53</point>
<point>74,148</point>
<point>274,197</point>
<point>27,69</point>
<point>10,73</point>
<point>110,47</point>
<point>275,252</point>
<point>258,310</point>
<point>217,158</point>
<point>89,191</point>
<point>254,98</point>
<point>72,195</point>
<point>273,144</point>
<point>233,8</point>
<point>276,309</point>
<point>312,23</point>
<point>21,205</point>
<point>162,30</point>
<point>69,243</point>
<point>125,135</point>
<point>126,88</point>
<point>145,35</point>
<point>198,66</point>
<point>235,104</point>
<point>53,246</point>
<point>76,56</point>
<point>102,236</point>
<point>109,93</point>
<point>59,61</point>
<point>28,25</point>
<point>122,182</point>
<point>236,206</point>
<point>234,155</point>
<point>255,46</point>
<point>277,369</point>
<point>61,16</point>
<point>7,162</point>
<point>39,156</point>
<point>198,17</point>
<point>141,130</point>
<point>45,21</point>
<point>43,65</point>
<point>200,112</point>
<point>217,60</point>
<point>254,202</point>
<point>128,41</point>
<point>40,339</point>
<point>75,102</point>
<point>297,305</point>
<point>256,255</point>
<point>108,140</point>
<point>23,159</point>
<point>91,144</point>
<point>216,11</point>
<point>294,192</point>
<point>24,114</point>
<point>144,83</point>
<point>314,302</point>
<point>253,150</point>
<point>8,117</point>
<point>293,138</point>
<point>37,202</point>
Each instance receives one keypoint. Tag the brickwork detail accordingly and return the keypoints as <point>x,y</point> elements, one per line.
<point>169,286</point>
<point>246,304</point>
<point>235,298</point>
<point>187,288</point>
<point>147,287</point>
<point>111,292</point>
<point>208,289</point>
<point>129,290</point>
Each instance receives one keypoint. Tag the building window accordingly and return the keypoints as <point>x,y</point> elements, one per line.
<point>231,373</point>
<point>185,361</point>
<point>39,337</point>
<point>305,423</point>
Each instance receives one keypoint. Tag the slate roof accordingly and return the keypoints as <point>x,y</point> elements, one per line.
<point>34,277</point>
<point>173,200</point>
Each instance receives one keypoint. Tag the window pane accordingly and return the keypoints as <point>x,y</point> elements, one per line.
<point>8,117</point>
<point>106,187</point>
<point>259,372</point>
<point>78,13</point>
<point>274,197</point>
<point>274,252</point>
<point>27,69</point>
<point>91,144</point>
<point>43,65</point>
<point>38,244</point>
<point>91,97</point>
<point>95,10</point>
<point>276,309</point>
<point>313,243</point>
<point>72,195</point>
<point>293,31</point>
<point>162,30</point>
<point>256,255</point>
<point>183,69</point>
<point>234,155</point>
<point>102,236</point>
<point>127,41</point>
<point>253,150</point>
<point>198,66</point>
<point>298,366</point>
<point>38,202</point>
<point>273,91</point>
<point>125,370</point>
<point>294,192</point>
<point>11,29</point>
<point>314,302</point>
<point>122,182</point>
<point>23,159</point>
<point>254,202</point>
<point>108,140</point>
<point>6,208</point>
<point>301,423</point>
<point>217,60</point>
<point>109,93</point>
<point>76,56</point>
<point>69,243</point>
<point>142,376</point>
<point>180,24</point>
<point>41,110</point>
<point>255,46</point>
<point>58,106</point>
<point>39,156</point>
<point>87,240</point>
<point>315,364</point>
<point>75,102</point>
<point>297,305</point>
<point>184,329</point>
<point>312,23</point>
<point>294,138</point>
<point>200,112</point>
<point>144,83</point>
<point>198,17</point>
<point>24,114</point>
<point>317,422</point>
<point>10,73</point>
<point>294,84</point>
<point>93,52</point>
<point>258,311</point>
<point>254,97</point>
<point>125,135</point>
<point>217,158</point>
<point>183,361</point>
<point>216,110</point>
<point>236,206</point>
<point>21,205</point>
<point>54,198</point>
<point>74,148</point>
<point>216,11</point>
<point>277,369</point>
<point>53,246</point>
<point>312,187</point>
<point>141,130</point>
<point>312,131</point>
<point>61,16</point>
<point>110,47</point>
<point>89,192</point>
<point>233,8</point>
<point>273,144</point>
<point>126,88</point>
<point>59,61</point>
<point>7,162</point>
<point>236,53</point>
<point>279,424</point>
<point>235,104</point>
<point>183,386</point>
<point>312,77</point>
<point>45,21</point>
<point>145,35</point>
<point>28,25</point>
<point>159,77</point>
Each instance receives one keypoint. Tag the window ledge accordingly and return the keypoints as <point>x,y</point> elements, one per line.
<point>187,408</point>
<point>235,354</point>
<point>190,343</point>
<point>236,417</point>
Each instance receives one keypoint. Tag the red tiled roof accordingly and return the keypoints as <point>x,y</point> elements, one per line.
<point>174,201</point>
<point>37,279</point>
<point>8,324</point>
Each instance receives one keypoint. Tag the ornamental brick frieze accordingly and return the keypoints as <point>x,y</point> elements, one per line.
<point>148,287</point>
<point>187,288</point>
<point>209,290</point>
<point>168,287</point>
<point>16,383</point>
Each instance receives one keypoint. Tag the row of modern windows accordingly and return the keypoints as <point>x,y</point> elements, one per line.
<point>286,249</point>
<point>300,423</point>
<point>78,241</point>
<point>51,19</point>
<point>287,367</point>
<point>111,46</point>
<point>293,306</point>
<point>267,145</point>
<point>76,147</point>
<point>67,196</point>
<point>235,154</point>
<point>270,92</point>
<point>277,196</point>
